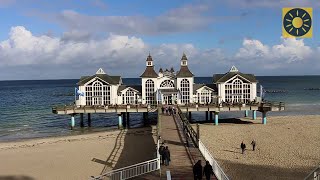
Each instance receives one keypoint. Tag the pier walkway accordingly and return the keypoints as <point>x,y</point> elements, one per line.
<point>182,157</point>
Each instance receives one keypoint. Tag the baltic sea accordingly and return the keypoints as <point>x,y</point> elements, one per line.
<point>25,106</point>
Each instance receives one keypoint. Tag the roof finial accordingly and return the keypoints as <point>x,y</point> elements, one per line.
<point>149,58</point>
<point>184,57</point>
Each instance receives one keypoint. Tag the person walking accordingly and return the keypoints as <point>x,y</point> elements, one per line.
<point>162,109</point>
<point>253,143</point>
<point>161,150</point>
<point>243,147</point>
<point>197,171</point>
<point>166,154</point>
<point>207,170</point>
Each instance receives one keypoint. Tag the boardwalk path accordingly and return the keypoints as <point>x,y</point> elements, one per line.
<point>182,157</point>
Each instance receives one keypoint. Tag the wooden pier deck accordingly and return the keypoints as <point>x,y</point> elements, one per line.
<point>182,157</point>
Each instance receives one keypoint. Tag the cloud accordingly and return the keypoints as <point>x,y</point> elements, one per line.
<point>271,3</point>
<point>6,3</point>
<point>188,18</point>
<point>75,54</point>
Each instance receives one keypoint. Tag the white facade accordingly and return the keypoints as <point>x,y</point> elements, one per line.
<point>166,87</point>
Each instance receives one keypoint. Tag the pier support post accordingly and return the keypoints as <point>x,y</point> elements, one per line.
<point>72,123</point>
<point>89,120</point>
<point>246,113</point>
<point>128,119</point>
<point>190,116</point>
<point>264,117</point>
<point>211,116</point>
<point>124,119</point>
<point>216,118</point>
<point>145,118</point>
<point>81,120</point>
<point>120,121</point>
<point>207,115</point>
<point>254,114</point>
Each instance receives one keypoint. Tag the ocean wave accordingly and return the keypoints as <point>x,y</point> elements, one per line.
<point>13,130</point>
<point>304,104</point>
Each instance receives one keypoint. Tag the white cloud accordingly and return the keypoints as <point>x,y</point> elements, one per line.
<point>53,57</point>
<point>272,3</point>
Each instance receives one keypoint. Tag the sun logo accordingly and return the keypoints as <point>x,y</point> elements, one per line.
<point>297,22</point>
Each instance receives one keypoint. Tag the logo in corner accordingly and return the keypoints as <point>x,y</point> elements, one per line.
<point>297,22</point>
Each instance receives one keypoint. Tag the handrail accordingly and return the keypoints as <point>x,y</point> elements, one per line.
<point>314,175</point>
<point>188,127</point>
<point>219,173</point>
<point>133,170</point>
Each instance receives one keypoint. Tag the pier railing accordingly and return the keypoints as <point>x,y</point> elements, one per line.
<point>314,175</point>
<point>133,170</point>
<point>219,173</point>
<point>188,128</point>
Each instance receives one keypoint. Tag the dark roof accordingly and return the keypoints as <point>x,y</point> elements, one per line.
<point>136,87</point>
<point>218,78</point>
<point>184,72</point>
<point>149,72</point>
<point>109,79</point>
<point>198,86</point>
<point>160,70</point>
<point>184,57</point>
<point>149,58</point>
<point>172,70</point>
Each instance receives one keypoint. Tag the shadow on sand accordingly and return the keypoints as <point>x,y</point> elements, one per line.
<point>132,146</point>
<point>226,120</point>
<point>261,172</point>
<point>16,178</point>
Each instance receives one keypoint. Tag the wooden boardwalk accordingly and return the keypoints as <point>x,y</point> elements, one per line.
<point>182,157</point>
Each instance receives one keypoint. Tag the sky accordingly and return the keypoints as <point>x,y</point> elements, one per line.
<point>67,39</point>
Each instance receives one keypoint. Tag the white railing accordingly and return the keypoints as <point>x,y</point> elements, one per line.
<point>314,175</point>
<point>133,170</point>
<point>215,166</point>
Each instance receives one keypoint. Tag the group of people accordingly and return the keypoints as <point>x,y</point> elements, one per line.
<point>168,110</point>
<point>243,146</point>
<point>198,172</point>
<point>164,154</point>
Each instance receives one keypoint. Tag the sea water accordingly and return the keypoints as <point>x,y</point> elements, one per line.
<point>26,105</point>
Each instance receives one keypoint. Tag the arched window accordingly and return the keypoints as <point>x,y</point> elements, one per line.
<point>149,92</point>
<point>237,91</point>
<point>185,91</point>
<point>205,96</point>
<point>97,93</point>
<point>167,83</point>
<point>130,98</point>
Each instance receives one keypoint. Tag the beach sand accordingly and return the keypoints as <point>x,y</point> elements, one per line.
<point>75,157</point>
<point>288,147</point>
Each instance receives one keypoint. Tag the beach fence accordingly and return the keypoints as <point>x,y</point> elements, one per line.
<point>195,137</point>
<point>314,175</point>
<point>133,170</point>
<point>215,166</point>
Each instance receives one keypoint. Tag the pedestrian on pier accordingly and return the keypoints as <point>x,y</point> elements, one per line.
<point>170,110</point>
<point>207,170</point>
<point>253,143</point>
<point>243,147</point>
<point>197,171</point>
<point>166,110</point>
<point>162,109</point>
<point>161,150</point>
<point>166,155</point>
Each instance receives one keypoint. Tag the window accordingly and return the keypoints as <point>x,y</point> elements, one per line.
<point>185,91</point>
<point>237,91</point>
<point>149,92</point>
<point>205,96</point>
<point>98,93</point>
<point>167,83</point>
<point>149,63</point>
<point>130,97</point>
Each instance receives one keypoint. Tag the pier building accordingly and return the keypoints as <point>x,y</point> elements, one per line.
<point>167,87</point>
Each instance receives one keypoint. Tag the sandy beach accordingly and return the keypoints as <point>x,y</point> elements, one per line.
<point>75,157</point>
<point>288,147</point>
